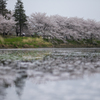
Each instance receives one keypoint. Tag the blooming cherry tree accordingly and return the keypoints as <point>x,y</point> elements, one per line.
<point>63,27</point>
<point>6,26</point>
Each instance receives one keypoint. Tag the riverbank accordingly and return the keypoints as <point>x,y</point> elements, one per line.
<point>35,42</point>
<point>23,42</point>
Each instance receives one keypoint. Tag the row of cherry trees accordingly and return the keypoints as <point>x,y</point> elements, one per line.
<point>56,26</point>
<point>63,27</point>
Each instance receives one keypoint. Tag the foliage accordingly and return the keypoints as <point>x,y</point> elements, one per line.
<point>6,25</point>
<point>64,28</point>
<point>61,29</point>
<point>19,14</point>
<point>3,10</point>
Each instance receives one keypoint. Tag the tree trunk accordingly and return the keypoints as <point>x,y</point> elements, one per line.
<point>20,30</point>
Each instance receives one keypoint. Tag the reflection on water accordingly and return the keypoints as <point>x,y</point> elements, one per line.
<point>50,74</point>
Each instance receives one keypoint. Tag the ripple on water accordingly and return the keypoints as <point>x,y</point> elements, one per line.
<point>55,72</point>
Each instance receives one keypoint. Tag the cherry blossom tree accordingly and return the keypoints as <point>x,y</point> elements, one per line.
<point>6,26</point>
<point>64,28</point>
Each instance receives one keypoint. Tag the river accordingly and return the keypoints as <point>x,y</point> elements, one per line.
<point>50,74</point>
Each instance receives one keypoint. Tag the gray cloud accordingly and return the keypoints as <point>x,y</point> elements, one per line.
<point>70,8</point>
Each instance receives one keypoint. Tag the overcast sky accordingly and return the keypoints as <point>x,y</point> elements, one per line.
<point>87,9</point>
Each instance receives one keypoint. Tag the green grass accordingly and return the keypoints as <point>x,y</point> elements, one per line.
<point>23,42</point>
<point>34,42</point>
<point>79,43</point>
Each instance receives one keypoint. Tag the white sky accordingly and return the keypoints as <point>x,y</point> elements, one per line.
<point>69,8</point>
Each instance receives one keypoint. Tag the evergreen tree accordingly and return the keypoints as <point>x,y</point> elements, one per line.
<point>3,10</point>
<point>20,16</point>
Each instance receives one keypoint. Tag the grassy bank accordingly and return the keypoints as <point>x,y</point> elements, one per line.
<point>76,43</point>
<point>31,42</point>
<point>79,44</point>
<point>23,42</point>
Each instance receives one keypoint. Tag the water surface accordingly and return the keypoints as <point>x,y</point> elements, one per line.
<point>50,74</point>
